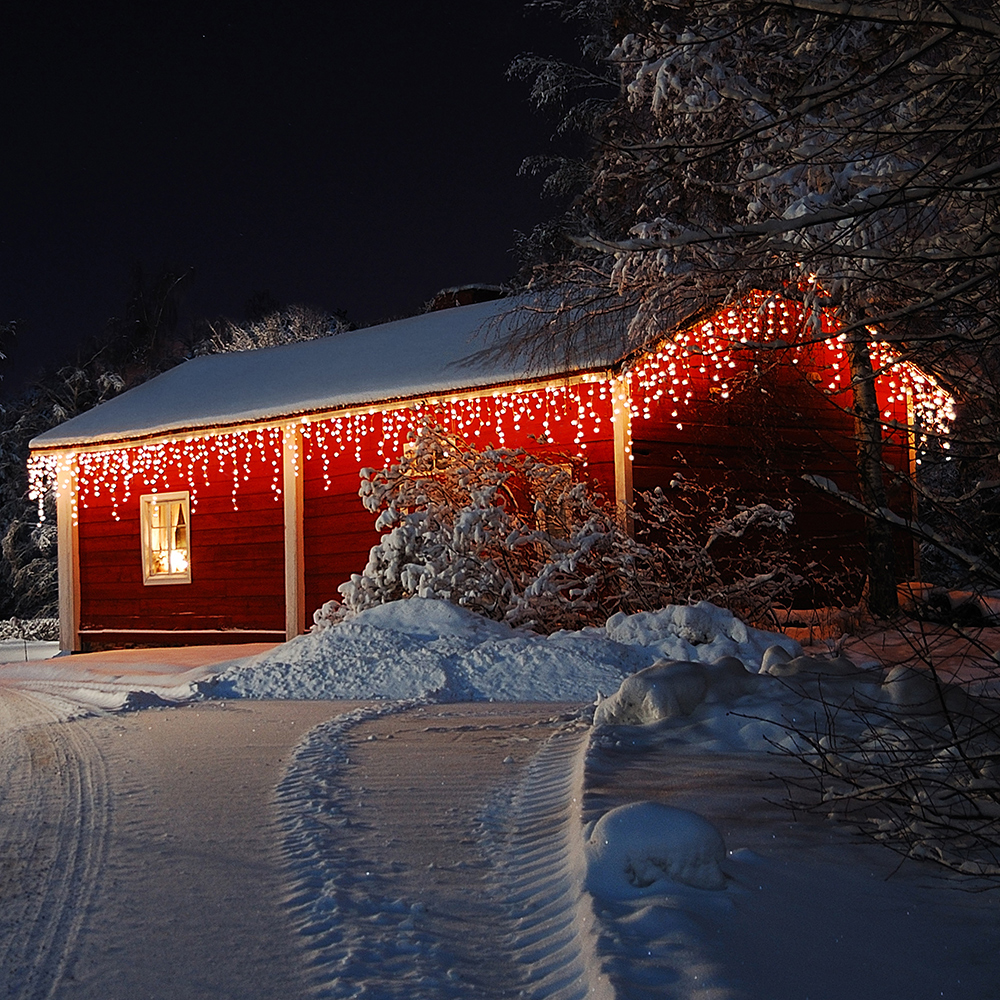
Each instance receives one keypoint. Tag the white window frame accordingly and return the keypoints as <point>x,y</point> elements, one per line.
<point>147,504</point>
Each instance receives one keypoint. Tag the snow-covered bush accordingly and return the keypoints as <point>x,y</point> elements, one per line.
<point>500,531</point>
<point>521,538</point>
<point>33,630</point>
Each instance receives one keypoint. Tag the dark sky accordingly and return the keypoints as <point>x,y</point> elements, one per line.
<point>352,157</point>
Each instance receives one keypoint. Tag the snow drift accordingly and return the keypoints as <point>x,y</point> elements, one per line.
<point>422,647</point>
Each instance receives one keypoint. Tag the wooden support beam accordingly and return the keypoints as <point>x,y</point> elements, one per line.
<point>68,536</point>
<point>292,488</point>
<point>622,419</point>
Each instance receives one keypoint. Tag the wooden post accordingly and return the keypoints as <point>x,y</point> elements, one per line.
<point>622,421</point>
<point>68,536</point>
<point>295,580</point>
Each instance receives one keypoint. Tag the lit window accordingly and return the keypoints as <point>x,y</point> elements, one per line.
<point>165,520</point>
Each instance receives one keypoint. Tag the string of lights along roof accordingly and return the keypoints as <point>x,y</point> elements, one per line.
<point>713,353</point>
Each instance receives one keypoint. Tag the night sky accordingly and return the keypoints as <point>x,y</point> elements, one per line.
<point>349,157</point>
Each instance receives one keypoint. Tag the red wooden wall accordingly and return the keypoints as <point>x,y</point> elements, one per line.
<point>339,531</point>
<point>237,556</point>
<point>774,426</point>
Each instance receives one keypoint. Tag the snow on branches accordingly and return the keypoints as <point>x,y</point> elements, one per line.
<point>844,156</point>
<point>520,538</point>
<point>844,151</point>
<point>498,531</point>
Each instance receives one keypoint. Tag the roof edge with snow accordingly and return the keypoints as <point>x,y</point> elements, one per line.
<point>454,350</point>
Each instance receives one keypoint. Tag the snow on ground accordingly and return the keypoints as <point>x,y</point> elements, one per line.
<point>429,648</point>
<point>121,678</point>
<point>631,899</point>
<point>730,687</point>
<point>634,896</point>
<point>613,885</point>
<point>23,650</point>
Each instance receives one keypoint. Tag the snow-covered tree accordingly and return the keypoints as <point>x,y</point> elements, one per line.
<point>279,326</point>
<point>522,538</point>
<point>846,155</point>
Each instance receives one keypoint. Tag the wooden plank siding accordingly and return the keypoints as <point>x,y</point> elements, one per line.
<point>774,426</point>
<point>339,533</point>
<point>237,568</point>
<point>761,440</point>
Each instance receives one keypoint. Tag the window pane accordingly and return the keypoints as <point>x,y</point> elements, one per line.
<point>166,538</point>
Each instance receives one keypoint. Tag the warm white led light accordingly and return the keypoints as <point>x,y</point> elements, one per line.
<point>671,373</point>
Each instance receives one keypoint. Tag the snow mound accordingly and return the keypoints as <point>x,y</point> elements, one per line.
<point>699,632</point>
<point>425,618</point>
<point>636,846</point>
<point>672,688</point>
<point>912,691</point>
<point>423,647</point>
<point>778,663</point>
<point>345,661</point>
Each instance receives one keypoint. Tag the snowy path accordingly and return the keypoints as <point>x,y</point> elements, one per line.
<point>397,897</point>
<point>431,852</point>
<point>54,836</point>
<point>139,852</point>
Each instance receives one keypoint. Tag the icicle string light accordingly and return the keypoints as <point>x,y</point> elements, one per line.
<point>123,474</point>
<point>708,357</point>
<point>569,415</point>
<point>43,477</point>
<point>564,415</point>
<point>716,352</point>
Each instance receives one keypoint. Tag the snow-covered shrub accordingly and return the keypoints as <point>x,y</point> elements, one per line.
<point>711,543</point>
<point>521,538</point>
<point>33,630</point>
<point>500,531</point>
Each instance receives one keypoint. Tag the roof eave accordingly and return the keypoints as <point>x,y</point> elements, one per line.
<point>182,432</point>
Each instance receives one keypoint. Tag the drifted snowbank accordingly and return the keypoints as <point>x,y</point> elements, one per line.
<point>422,647</point>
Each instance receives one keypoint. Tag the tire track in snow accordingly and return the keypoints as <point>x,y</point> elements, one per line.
<point>54,837</point>
<point>394,887</point>
<point>542,874</point>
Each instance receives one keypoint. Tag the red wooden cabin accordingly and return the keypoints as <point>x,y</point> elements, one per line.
<point>218,501</point>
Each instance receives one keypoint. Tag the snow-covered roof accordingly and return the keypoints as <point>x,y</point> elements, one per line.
<point>409,358</point>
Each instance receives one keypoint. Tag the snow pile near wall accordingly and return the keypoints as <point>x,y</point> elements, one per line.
<point>429,648</point>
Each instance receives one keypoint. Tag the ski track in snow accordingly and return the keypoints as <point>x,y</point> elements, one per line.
<point>352,935</point>
<point>54,841</point>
